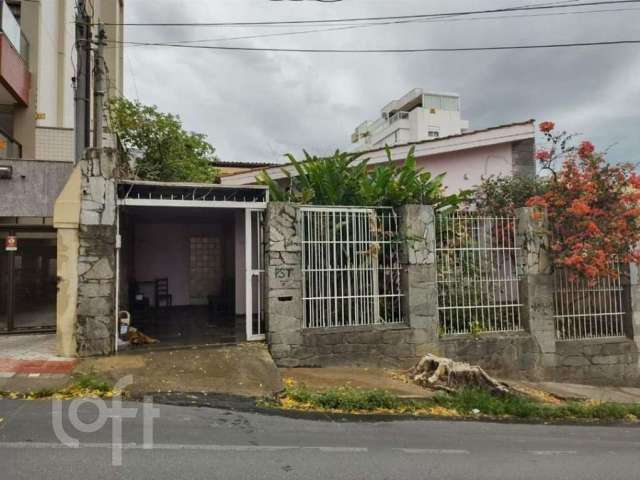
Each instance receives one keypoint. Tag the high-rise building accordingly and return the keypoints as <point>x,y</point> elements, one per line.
<point>416,116</point>
<point>37,143</point>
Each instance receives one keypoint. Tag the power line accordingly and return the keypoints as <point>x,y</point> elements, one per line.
<point>546,6</point>
<point>389,50</point>
<point>361,26</point>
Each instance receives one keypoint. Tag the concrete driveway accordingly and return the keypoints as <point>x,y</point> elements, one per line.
<point>244,369</point>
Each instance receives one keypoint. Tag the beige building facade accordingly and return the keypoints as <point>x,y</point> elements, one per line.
<point>37,149</point>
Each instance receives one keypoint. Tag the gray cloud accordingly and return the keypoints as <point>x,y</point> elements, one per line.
<point>258,106</point>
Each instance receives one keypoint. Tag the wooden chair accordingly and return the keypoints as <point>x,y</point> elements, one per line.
<point>162,292</point>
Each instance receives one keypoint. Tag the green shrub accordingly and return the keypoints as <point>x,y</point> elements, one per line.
<point>90,381</point>
<point>347,179</point>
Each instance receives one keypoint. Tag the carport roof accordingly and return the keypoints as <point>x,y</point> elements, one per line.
<point>182,194</point>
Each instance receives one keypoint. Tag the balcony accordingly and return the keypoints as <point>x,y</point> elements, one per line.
<point>15,78</point>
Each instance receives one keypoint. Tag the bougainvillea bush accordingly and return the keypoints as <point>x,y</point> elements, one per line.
<point>593,207</point>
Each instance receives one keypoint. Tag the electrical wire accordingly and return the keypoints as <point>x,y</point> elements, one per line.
<point>546,6</point>
<point>360,26</point>
<point>388,50</point>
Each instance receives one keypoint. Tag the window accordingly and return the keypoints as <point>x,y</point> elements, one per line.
<point>450,104</point>
<point>433,132</point>
<point>441,102</point>
<point>205,268</point>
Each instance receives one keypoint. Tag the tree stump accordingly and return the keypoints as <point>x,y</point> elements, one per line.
<point>446,374</point>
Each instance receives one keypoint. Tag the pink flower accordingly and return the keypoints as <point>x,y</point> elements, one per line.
<point>546,127</point>
<point>543,155</point>
<point>585,149</point>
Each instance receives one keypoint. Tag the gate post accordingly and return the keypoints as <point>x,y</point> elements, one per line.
<point>283,281</point>
<point>418,258</point>
<point>537,287</point>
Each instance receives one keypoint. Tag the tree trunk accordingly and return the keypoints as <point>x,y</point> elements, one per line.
<point>446,374</point>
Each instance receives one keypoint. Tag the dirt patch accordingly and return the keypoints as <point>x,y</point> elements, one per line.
<point>393,381</point>
<point>245,369</point>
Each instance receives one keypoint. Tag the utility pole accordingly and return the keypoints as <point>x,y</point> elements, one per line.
<point>82,80</point>
<point>99,88</point>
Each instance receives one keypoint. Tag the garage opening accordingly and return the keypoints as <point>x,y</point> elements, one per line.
<point>190,262</point>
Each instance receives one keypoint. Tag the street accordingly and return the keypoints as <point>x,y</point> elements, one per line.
<point>191,442</point>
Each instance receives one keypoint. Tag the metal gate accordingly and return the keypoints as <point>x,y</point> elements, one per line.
<point>350,266</point>
<point>589,310</point>
<point>477,274</point>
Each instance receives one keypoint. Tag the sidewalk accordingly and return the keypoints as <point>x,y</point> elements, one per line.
<point>245,370</point>
<point>321,379</point>
<point>29,363</point>
<point>573,391</point>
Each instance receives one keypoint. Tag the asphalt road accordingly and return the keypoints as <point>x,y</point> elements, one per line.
<point>206,443</point>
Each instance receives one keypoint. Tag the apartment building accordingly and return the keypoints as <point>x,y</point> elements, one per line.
<point>37,144</point>
<point>416,116</point>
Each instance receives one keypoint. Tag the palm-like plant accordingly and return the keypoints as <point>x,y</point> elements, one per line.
<point>347,179</point>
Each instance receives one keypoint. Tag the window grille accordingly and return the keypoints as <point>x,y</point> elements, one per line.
<point>350,266</point>
<point>477,274</point>
<point>584,311</point>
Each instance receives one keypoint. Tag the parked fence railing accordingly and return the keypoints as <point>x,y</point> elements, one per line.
<point>588,311</point>
<point>350,266</point>
<point>477,274</point>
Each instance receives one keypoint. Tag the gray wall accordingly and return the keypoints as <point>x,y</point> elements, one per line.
<point>34,187</point>
<point>532,353</point>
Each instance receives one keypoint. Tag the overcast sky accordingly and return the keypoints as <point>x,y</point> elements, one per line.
<point>257,106</point>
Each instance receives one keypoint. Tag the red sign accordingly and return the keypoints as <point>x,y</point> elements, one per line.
<point>11,243</point>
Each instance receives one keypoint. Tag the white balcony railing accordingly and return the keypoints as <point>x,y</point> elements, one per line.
<point>398,116</point>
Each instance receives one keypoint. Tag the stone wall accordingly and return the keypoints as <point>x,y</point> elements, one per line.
<point>95,313</point>
<point>533,353</point>
<point>283,282</point>
<point>612,361</point>
<point>506,355</point>
<point>399,345</point>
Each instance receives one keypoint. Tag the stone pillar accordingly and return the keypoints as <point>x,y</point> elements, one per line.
<point>418,258</point>
<point>523,158</point>
<point>633,325</point>
<point>66,220</point>
<point>536,287</point>
<point>283,312</point>
<point>95,316</point>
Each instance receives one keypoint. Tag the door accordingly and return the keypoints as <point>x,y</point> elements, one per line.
<point>6,295</point>
<point>28,280</point>
<point>254,267</point>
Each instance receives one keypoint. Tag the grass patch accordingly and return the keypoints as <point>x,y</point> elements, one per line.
<point>83,385</point>
<point>42,393</point>
<point>343,398</point>
<point>471,402</point>
<point>90,381</point>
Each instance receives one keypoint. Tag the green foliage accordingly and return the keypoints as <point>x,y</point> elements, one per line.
<point>499,196</point>
<point>158,146</point>
<point>467,401</point>
<point>347,179</point>
<point>91,381</point>
<point>344,398</point>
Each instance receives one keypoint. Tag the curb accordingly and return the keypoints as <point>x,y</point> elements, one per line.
<point>245,404</point>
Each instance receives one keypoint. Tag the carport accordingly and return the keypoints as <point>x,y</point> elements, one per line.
<point>190,261</point>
